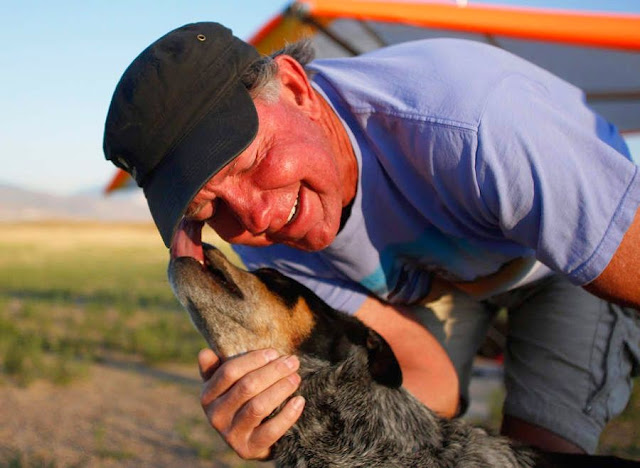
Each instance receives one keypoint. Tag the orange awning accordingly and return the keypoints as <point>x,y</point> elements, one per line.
<point>610,30</point>
<point>598,52</point>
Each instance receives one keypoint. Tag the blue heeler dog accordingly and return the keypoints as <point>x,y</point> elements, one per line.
<point>357,414</point>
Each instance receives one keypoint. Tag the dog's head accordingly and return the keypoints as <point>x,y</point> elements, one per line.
<point>237,311</point>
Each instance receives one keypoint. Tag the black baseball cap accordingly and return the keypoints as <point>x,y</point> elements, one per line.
<point>179,114</point>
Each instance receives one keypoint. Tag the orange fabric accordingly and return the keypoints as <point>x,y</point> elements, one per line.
<point>120,180</point>
<point>266,30</point>
<point>278,31</point>
<point>591,29</point>
<point>594,29</point>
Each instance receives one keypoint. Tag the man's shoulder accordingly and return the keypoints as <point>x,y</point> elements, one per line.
<point>434,79</point>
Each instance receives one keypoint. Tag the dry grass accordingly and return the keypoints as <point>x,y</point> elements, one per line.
<point>52,236</point>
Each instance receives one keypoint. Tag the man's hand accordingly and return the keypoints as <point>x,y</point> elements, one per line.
<point>240,393</point>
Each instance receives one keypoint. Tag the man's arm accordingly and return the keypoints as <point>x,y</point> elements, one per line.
<point>427,371</point>
<point>620,280</point>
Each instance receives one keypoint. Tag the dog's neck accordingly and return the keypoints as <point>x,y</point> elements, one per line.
<point>389,425</point>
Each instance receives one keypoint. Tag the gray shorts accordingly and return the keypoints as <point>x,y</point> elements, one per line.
<point>569,356</point>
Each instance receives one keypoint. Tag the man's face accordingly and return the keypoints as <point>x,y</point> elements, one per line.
<point>286,187</point>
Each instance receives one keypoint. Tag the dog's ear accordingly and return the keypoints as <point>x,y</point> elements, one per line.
<point>383,365</point>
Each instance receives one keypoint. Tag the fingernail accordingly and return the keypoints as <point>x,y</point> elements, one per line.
<point>270,354</point>
<point>203,353</point>
<point>297,402</point>
<point>292,362</point>
<point>294,379</point>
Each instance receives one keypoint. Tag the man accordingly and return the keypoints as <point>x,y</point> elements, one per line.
<point>431,182</point>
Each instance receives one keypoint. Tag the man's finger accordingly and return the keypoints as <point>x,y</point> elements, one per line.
<point>269,432</point>
<point>225,410</point>
<point>254,383</point>
<point>229,372</point>
<point>208,362</point>
<point>255,410</point>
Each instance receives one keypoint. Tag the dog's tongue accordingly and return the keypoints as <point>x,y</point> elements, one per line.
<point>188,241</point>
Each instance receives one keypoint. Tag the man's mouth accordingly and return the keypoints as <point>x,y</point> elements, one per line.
<point>294,211</point>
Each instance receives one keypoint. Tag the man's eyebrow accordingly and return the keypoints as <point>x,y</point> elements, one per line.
<point>254,158</point>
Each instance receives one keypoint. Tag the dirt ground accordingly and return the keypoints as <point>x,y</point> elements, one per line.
<point>127,414</point>
<point>122,414</point>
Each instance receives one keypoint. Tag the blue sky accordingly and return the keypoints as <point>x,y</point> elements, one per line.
<point>61,60</point>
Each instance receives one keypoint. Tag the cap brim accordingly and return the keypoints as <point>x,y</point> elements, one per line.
<point>215,141</point>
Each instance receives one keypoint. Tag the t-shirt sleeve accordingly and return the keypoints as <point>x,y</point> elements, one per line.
<point>555,177</point>
<point>310,269</point>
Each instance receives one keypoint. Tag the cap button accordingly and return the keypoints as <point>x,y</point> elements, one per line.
<point>201,37</point>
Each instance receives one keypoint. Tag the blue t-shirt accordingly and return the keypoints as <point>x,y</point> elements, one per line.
<point>474,165</point>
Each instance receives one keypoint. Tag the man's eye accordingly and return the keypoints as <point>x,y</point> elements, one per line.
<point>248,165</point>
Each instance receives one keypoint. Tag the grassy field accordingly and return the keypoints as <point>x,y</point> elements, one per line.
<point>81,301</point>
<point>71,292</point>
<point>74,295</point>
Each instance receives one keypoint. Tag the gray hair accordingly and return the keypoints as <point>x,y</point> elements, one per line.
<point>259,78</point>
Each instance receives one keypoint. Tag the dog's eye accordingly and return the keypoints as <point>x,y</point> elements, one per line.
<point>371,342</point>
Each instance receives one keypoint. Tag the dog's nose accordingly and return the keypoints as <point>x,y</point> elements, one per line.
<point>188,241</point>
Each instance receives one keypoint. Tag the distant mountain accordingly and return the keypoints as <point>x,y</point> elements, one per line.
<point>18,204</point>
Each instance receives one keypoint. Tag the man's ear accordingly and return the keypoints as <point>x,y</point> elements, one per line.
<point>383,365</point>
<point>296,87</point>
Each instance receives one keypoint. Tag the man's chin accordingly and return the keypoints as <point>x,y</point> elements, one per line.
<point>306,247</point>
<point>311,242</point>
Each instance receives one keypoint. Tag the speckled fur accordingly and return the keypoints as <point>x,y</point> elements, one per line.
<point>351,421</point>
<point>357,414</point>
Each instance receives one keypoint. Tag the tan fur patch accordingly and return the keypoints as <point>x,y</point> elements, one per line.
<point>300,324</point>
<point>291,326</point>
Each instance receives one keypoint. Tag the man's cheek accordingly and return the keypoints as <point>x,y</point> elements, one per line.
<point>226,225</point>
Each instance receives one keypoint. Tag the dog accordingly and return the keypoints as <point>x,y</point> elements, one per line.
<point>357,413</point>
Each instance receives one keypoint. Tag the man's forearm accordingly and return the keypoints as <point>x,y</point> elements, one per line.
<point>427,371</point>
<point>620,280</point>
